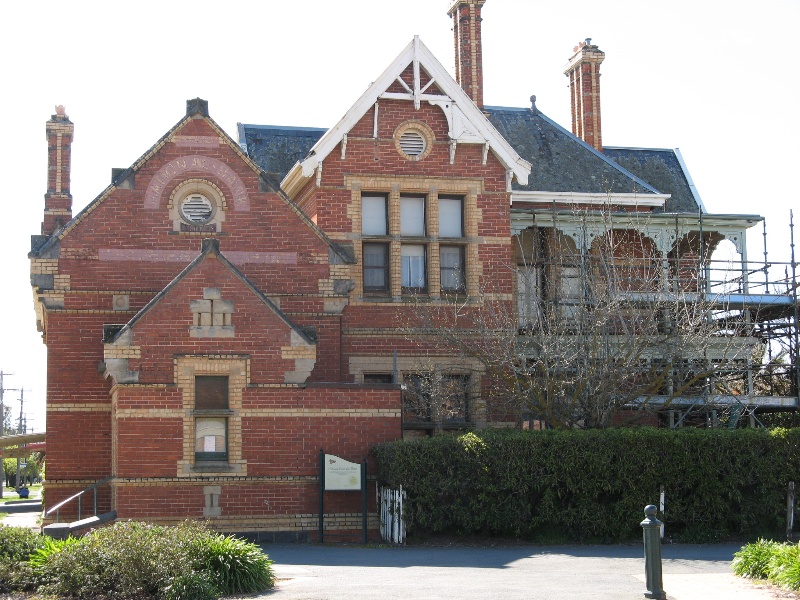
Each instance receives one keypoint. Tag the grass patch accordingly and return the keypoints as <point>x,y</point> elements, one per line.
<point>11,495</point>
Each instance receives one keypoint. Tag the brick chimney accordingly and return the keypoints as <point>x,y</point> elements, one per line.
<point>584,87</point>
<point>466,15</point>
<point>58,200</point>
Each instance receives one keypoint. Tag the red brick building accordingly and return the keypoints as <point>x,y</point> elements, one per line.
<point>223,311</point>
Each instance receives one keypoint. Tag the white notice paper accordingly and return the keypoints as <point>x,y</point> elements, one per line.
<point>341,474</point>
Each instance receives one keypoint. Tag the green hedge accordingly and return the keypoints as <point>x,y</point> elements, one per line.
<point>593,485</point>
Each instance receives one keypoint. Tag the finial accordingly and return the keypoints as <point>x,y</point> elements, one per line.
<point>534,110</point>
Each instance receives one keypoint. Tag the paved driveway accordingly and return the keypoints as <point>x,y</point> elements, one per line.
<point>313,572</point>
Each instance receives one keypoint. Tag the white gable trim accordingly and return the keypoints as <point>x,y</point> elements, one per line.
<point>467,123</point>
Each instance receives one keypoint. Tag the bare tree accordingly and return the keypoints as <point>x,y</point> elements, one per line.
<point>596,336</point>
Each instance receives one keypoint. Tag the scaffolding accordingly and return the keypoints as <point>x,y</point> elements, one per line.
<point>750,364</point>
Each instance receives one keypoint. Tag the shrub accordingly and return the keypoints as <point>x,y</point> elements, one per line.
<point>191,586</point>
<point>592,485</point>
<point>784,566</point>
<point>237,566</point>
<point>133,559</point>
<point>17,543</point>
<point>753,559</point>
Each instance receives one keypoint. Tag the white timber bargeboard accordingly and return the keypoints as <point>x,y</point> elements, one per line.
<point>467,124</point>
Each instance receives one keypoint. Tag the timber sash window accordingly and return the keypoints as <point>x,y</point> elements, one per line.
<point>451,265</point>
<point>376,267</point>
<point>529,295</point>
<point>453,389</point>
<point>413,270</point>
<point>451,217</point>
<point>211,417</point>
<point>412,216</point>
<point>440,400</point>
<point>413,243</point>
<point>374,219</point>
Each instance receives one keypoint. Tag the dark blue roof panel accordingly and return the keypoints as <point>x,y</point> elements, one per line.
<point>277,148</point>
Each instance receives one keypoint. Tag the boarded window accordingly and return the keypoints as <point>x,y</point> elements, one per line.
<point>210,392</point>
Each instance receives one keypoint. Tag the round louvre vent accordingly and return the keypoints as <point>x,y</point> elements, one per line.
<point>412,143</point>
<point>197,209</point>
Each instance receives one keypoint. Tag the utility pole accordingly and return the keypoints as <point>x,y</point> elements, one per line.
<point>3,390</point>
<point>22,425</point>
<point>20,429</point>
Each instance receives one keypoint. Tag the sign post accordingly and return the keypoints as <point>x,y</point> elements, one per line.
<point>339,475</point>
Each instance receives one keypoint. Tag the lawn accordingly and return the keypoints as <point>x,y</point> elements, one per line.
<point>10,494</point>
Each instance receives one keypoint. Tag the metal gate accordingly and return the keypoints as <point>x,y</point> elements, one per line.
<point>390,506</point>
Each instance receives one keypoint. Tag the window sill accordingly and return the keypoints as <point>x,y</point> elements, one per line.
<point>212,466</point>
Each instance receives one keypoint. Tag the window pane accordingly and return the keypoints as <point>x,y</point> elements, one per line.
<point>210,392</point>
<point>529,294</point>
<point>450,217</point>
<point>381,378</point>
<point>454,398</point>
<point>413,262</point>
<point>373,215</point>
<point>571,292</point>
<point>417,391</point>
<point>451,260</point>
<point>210,434</point>
<point>412,216</point>
<point>376,266</point>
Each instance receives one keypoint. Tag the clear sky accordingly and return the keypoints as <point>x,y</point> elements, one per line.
<point>717,79</point>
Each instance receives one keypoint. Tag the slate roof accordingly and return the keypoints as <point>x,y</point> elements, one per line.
<point>561,162</point>
<point>664,170</point>
<point>276,149</point>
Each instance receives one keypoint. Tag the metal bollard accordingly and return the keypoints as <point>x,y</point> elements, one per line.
<point>651,530</point>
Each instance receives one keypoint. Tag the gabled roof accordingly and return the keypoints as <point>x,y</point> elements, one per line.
<point>194,108</point>
<point>210,250</point>
<point>467,123</point>
<point>560,161</point>
<point>663,169</point>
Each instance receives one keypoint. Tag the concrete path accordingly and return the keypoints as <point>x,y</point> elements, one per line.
<point>21,513</point>
<point>691,572</point>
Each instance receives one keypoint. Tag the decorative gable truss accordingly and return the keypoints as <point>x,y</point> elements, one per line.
<point>466,123</point>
